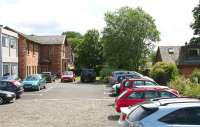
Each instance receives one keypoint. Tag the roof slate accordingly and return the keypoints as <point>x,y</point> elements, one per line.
<point>55,39</point>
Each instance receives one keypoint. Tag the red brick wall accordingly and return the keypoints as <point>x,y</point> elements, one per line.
<point>186,70</point>
<point>53,54</point>
<point>22,56</point>
<point>28,62</point>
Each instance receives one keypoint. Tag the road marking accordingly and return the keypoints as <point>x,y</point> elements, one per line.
<point>76,99</point>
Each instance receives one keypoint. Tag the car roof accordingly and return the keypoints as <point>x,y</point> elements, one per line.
<point>150,88</point>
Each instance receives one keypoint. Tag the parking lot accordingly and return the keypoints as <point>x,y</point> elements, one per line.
<point>62,105</point>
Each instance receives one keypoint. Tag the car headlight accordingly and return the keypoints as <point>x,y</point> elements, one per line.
<point>8,95</point>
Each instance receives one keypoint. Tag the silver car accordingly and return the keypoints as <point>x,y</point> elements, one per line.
<point>176,112</point>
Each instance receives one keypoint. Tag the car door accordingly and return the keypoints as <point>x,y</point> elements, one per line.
<point>3,85</point>
<point>134,98</point>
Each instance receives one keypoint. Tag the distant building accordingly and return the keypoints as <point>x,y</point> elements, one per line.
<point>43,53</point>
<point>187,57</point>
<point>8,52</point>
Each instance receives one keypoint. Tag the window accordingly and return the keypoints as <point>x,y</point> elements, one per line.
<point>13,43</point>
<point>148,83</point>
<point>51,51</point>
<point>139,83</point>
<point>136,95</point>
<point>139,113</point>
<point>13,69</point>
<point>165,94</point>
<point>5,41</point>
<point>185,116</point>
<point>33,49</point>
<point>5,69</point>
<point>28,47</point>
<point>126,84</point>
<point>151,94</point>
<point>194,52</point>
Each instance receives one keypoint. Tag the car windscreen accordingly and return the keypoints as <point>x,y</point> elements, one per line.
<point>32,78</point>
<point>68,73</point>
<point>122,94</point>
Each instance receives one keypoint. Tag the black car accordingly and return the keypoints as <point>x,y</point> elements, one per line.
<point>6,97</point>
<point>12,86</point>
<point>49,77</point>
<point>88,75</point>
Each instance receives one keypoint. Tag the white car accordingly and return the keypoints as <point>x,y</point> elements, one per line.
<point>171,112</point>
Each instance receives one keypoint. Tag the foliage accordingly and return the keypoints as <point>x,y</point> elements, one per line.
<point>185,87</point>
<point>74,38</point>
<point>90,51</point>
<point>195,76</point>
<point>196,25</point>
<point>128,37</point>
<point>163,72</point>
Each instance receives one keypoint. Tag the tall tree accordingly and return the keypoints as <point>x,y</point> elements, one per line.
<point>128,37</point>
<point>90,50</point>
<point>196,25</point>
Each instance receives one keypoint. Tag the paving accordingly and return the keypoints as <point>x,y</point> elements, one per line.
<point>62,105</point>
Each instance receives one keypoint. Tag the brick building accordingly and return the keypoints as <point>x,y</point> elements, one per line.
<point>187,57</point>
<point>43,53</point>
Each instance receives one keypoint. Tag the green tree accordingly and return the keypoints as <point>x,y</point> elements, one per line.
<point>128,37</point>
<point>90,51</point>
<point>196,25</point>
<point>74,38</point>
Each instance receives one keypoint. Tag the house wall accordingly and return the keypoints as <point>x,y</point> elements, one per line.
<point>187,70</point>
<point>9,52</point>
<point>53,54</point>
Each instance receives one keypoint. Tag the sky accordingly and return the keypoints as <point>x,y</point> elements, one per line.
<point>52,17</point>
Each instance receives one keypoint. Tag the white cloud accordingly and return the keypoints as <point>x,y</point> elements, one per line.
<point>173,17</point>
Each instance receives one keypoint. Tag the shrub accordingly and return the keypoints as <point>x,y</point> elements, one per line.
<point>105,73</point>
<point>185,87</point>
<point>195,76</point>
<point>163,72</point>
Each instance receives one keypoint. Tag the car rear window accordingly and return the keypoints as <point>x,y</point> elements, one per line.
<point>140,113</point>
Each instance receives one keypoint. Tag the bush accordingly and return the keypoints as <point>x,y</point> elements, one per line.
<point>163,72</point>
<point>185,87</point>
<point>105,73</point>
<point>195,76</point>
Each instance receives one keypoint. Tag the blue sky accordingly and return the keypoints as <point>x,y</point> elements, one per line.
<point>47,17</point>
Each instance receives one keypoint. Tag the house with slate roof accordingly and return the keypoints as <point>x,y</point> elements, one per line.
<point>186,57</point>
<point>43,53</point>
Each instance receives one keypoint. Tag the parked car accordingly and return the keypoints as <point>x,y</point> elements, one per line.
<point>35,82</point>
<point>68,76</point>
<point>49,77</point>
<point>134,96</point>
<point>133,83</point>
<point>113,79</point>
<point>12,86</point>
<point>10,78</point>
<point>174,112</point>
<point>6,97</point>
<point>88,75</point>
<point>120,78</point>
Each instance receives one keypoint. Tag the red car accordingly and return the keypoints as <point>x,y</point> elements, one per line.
<point>133,83</point>
<point>134,96</point>
<point>68,76</point>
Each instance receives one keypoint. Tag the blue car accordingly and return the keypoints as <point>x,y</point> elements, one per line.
<point>34,82</point>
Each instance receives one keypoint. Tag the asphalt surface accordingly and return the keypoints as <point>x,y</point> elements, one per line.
<point>62,105</point>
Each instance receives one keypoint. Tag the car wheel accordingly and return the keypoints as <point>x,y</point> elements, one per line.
<point>1,100</point>
<point>44,87</point>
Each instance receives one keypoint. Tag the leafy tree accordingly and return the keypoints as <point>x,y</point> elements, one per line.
<point>74,39</point>
<point>196,25</point>
<point>90,51</point>
<point>128,37</point>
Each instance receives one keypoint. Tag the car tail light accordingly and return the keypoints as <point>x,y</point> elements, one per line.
<point>123,117</point>
<point>116,82</point>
